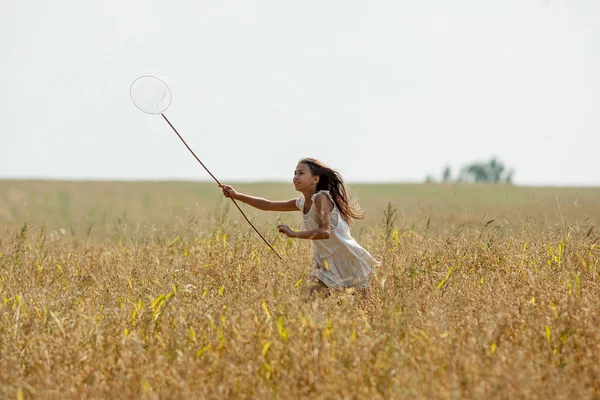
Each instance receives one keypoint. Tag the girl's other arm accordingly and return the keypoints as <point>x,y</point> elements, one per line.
<point>259,202</point>
<point>324,207</point>
<point>315,234</point>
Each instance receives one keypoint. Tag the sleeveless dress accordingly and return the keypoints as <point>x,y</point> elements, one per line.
<point>339,262</point>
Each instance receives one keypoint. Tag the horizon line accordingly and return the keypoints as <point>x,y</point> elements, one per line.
<point>276,181</point>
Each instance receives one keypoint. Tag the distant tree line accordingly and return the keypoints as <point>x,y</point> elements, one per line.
<point>493,171</point>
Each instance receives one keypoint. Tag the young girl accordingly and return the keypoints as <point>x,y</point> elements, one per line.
<point>339,261</point>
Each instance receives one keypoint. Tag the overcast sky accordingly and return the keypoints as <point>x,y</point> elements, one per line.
<point>381,90</point>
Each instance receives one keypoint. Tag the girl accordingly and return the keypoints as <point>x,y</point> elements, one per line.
<point>339,261</point>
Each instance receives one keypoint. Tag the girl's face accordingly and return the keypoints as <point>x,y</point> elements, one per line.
<point>303,178</point>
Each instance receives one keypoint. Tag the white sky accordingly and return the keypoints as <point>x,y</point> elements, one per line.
<point>381,90</point>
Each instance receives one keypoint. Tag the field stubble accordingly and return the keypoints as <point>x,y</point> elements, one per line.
<point>494,300</point>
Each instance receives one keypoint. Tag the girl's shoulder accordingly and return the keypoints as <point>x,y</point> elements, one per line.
<point>324,192</point>
<point>300,202</point>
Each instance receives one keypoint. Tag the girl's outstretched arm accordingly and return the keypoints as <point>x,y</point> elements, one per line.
<point>259,202</point>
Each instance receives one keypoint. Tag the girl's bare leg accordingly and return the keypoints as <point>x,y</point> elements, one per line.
<point>318,288</point>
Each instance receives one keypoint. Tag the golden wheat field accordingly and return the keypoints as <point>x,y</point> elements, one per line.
<point>162,290</point>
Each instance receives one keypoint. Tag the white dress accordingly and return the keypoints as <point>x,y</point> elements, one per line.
<point>338,261</point>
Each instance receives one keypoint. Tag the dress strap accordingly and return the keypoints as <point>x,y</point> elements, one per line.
<point>326,193</point>
<point>300,203</point>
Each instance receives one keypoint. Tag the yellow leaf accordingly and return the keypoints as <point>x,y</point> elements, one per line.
<point>157,300</point>
<point>445,279</point>
<point>548,332</point>
<point>203,350</point>
<point>266,348</point>
<point>493,348</point>
<point>221,289</point>
<point>418,337</point>
<point>130,284</point>
<point>282,332</point>
<point>326,265</point>
<point>533,300</point>
<point>578,283</point>
<point>264,306</point>
<point>559,248</point>
<point>211,320</point>
<point>327,330</point>
<point>146,385</point>
<point>297,283</point>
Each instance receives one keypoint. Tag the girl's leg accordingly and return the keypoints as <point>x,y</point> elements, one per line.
<point>317,288</point>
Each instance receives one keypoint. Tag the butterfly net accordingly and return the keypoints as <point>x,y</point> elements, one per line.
<point>150,94</point>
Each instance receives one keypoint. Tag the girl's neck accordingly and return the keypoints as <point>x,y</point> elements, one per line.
<point>308,193</point>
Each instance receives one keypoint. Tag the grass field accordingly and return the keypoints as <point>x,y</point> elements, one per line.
<point>161,290</point>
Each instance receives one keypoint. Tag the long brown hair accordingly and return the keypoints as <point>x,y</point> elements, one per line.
<point>332,181</point>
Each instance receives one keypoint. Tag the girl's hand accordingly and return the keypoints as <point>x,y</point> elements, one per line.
<point>228,191</point>
<point>286,230</point>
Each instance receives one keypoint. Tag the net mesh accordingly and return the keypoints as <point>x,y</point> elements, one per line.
<point>150,94</point>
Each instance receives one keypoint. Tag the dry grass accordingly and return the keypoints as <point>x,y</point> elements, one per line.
<point>462,307</point>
